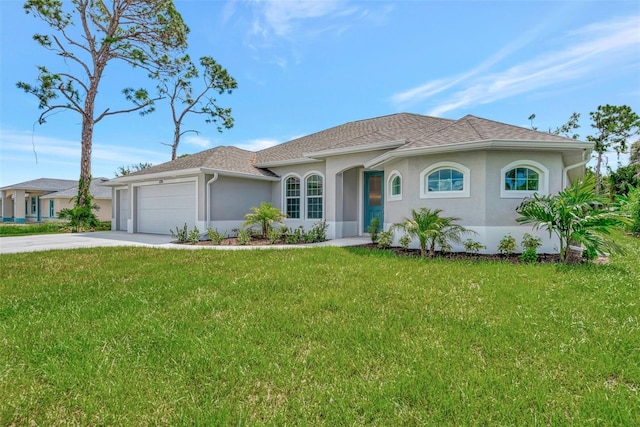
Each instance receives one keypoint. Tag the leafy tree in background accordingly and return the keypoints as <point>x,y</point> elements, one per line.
<point>574,215</point>
<point>567,128</point>
<point>126,170</point>
<point>88,35</point>
<point>188,91</point>
<point>634,151</point>
<point>614,126</point>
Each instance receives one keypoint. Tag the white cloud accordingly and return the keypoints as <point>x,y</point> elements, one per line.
<point>198,141</point>
<point>589,51</point>
<point>258,144</point>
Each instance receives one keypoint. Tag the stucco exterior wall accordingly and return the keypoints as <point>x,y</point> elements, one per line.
<point>232,198</point>
<point>485,211</point>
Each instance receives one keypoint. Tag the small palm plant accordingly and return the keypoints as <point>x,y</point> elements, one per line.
<point>575,214</point>
<point>431,229</point>
<point>264,216</point>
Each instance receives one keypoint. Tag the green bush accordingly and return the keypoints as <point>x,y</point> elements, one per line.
<point>215,236</point>
<point>244,236</point>
<point>318,232</point>
<point>374,228</point>
<point>274,235</point>
<point>405,241</point>
<point>385,239</point>
<point>473,247</point>
<point>530,242</point>
<point>181,234</point>
<point>529,256</point>
<point>194,236</point>
<point>507,245</point>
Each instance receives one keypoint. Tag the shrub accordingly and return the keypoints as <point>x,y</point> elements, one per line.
<point>81,215</point>
<point>374,228</point>
<point>181,234</point>
<point>529,256</point>
<point>530,242</point>
<point>274,235</point>
<point>244,236</point>
<point>319,232</point>
<point>194,236</point>
<point>507,245</point>
<point>473,247</point>
<point>385,239</point>
<point>215,236</point>
<point>405,241</point>
<point>294,235</point>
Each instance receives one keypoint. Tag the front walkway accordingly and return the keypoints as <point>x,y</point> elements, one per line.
<point>45,242</point>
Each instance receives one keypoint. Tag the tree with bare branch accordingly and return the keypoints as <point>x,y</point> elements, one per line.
<point>89,35</point>
<point>188,90</point>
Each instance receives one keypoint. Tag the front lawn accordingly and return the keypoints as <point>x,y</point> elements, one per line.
<point>11,229</point>
<point>319,336</point>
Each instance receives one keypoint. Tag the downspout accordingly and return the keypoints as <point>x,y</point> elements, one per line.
<point>211,181</point>
<point>565,176</point>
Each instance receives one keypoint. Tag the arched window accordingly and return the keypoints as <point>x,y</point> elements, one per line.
<point>445,179</point>
<point>292,197</point>
<point>523,178</point>
<point>394,186</point>
<point>314,194</point>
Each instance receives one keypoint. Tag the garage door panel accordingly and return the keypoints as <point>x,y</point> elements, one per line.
<point>161,208</point>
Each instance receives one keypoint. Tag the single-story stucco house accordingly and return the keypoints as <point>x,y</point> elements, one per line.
<point>472,168</point>
<point>45,197</point>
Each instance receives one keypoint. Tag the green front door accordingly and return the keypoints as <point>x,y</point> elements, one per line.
<point>373,198</point>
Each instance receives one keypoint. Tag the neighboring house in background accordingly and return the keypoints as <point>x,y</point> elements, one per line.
<point>472,168</point>
<point>45,197</point>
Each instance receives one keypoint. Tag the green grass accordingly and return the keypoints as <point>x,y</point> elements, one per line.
<point>10,229</point>
<point>321,336</point>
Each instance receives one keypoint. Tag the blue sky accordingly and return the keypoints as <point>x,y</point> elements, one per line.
<point>304,66</point>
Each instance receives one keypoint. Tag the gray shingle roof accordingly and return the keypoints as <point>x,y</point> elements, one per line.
<point>471,128</point>
<point>43,184</point>
<point>401,126</point>
<point>413,130</point>
<point>96,190</point>
<point>230,159</point>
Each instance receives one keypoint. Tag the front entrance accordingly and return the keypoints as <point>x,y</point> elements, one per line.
<point>373,198</point>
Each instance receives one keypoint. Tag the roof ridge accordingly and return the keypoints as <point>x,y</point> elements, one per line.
<point>466,119</point>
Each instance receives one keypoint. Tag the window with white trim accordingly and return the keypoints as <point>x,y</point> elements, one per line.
<point>394,186</point>
<point>522,178</point>
<point>51,209</point>
<point>445,180</point>
<point>292,197</point>
<point>314,196</point>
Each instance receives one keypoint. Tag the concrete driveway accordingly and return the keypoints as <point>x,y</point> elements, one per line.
<point>46,242</point>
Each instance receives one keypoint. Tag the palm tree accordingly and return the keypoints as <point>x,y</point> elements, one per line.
<point>575,215</point>
<point>264,216</point>
<point>430,228</point>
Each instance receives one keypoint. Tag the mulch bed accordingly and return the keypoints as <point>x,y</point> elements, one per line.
<point>575,258</point>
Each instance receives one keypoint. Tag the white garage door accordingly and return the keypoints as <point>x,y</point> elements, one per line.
<point>123,209</point>
<point>164,207</point>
